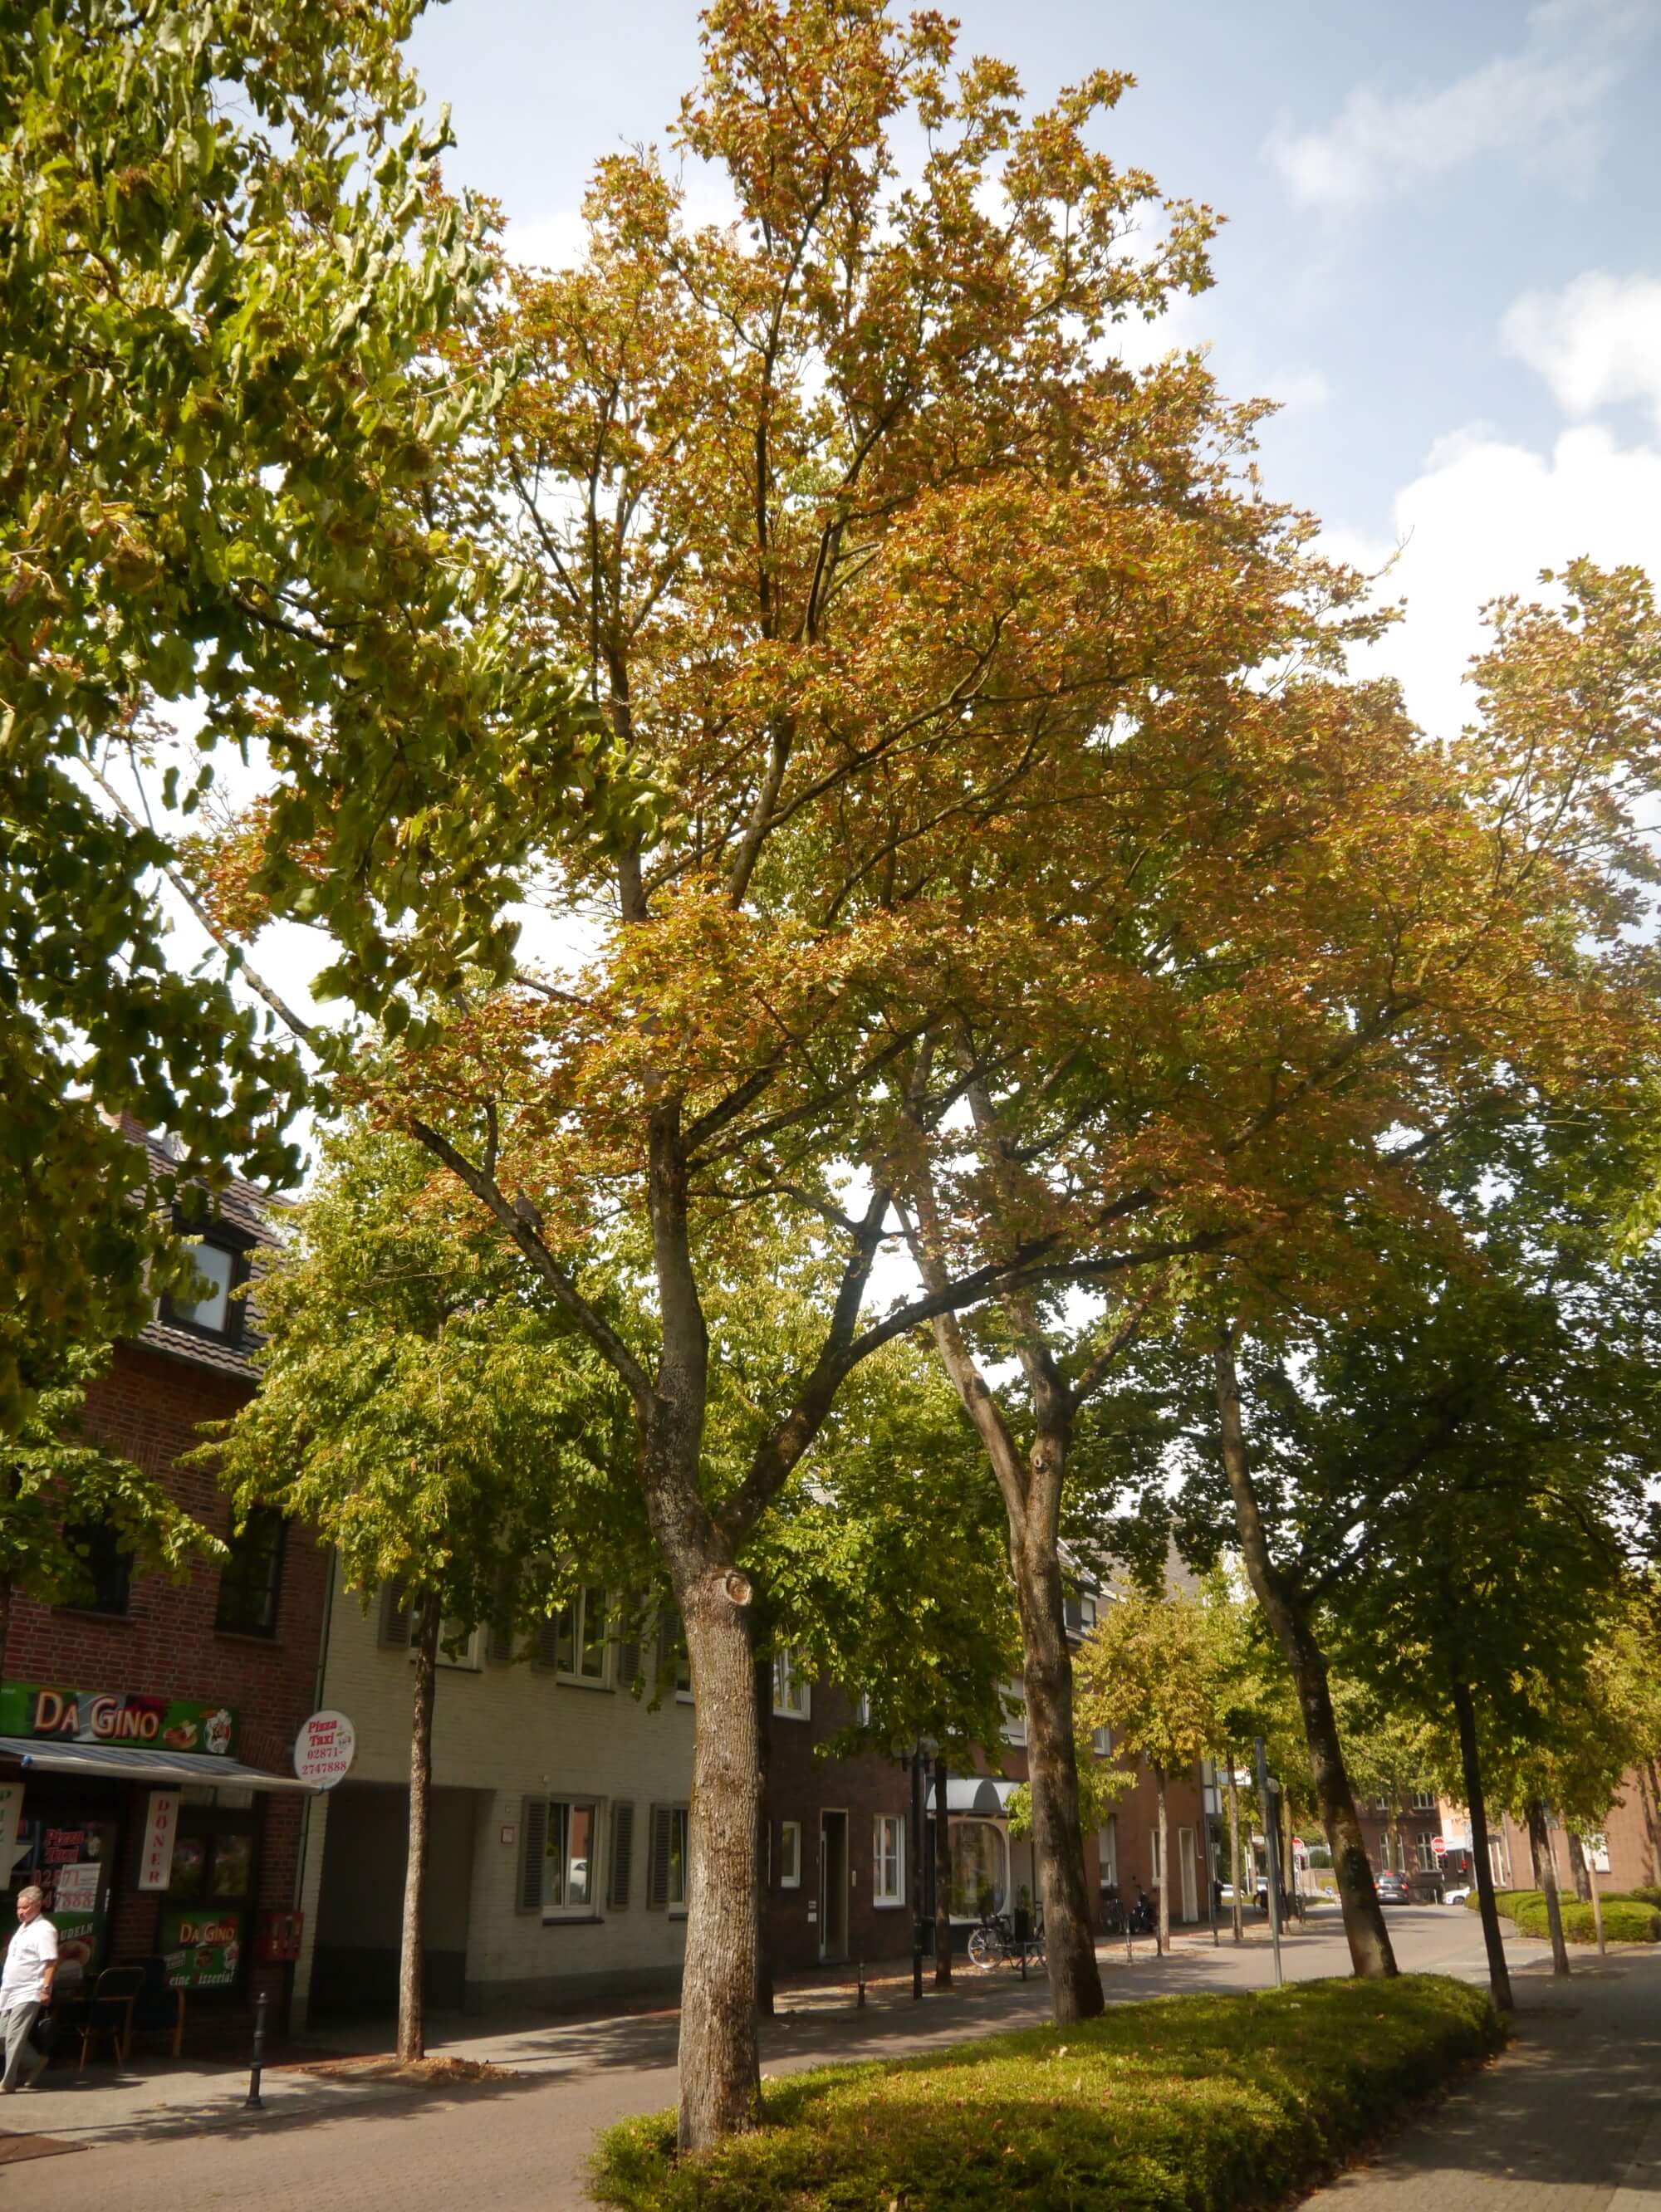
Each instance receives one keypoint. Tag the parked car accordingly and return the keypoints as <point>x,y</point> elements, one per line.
<point>1393,1889</point>
<point>1457,1894</point>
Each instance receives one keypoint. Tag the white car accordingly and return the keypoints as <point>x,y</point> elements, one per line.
<point>1456,1896</point>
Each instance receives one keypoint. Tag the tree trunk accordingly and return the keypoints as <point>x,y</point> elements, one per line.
<point>720,2056</point>
<point>1654,1821</point>
<point>1578,1873</point>
<point>1597,1909</point>
<point>411,2034</point>
<point>1369,1950</point>
<point>763,1680</point>
<point>1075,1979</point>
<point>1162,1862</point>
<point>1465,1716</point>
<point>1234,1850</point>
<point>1545,1862</point>
<point>942,1882</point>
<point>1396,1830</point>
<point>1207,1870</point>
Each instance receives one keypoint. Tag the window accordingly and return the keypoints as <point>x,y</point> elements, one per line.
<point>792,1696</point>
<point>208,1306</point>
<point>1101,1742</point>
<point>252,1576</point>
<point>1426,1855</point>
<point>980,1869</point>
<point>1015,1705</point>
<point>568,1880</point>
<point>106,1569</point>
<point>888,1862</point>
<point>580,1637</point>
<point>1107,1853</point>
<point>669,1872</point>
<point>790,1854</point>
<point>1424,1801</point>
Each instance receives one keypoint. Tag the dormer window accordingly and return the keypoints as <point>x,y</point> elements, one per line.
<point>208,1306</point>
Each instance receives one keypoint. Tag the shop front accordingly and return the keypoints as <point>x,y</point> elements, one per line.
<point>135,1816</point>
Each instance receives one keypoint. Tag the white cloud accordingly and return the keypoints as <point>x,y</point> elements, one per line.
<point>549,242</point>
<point>1596,343</point>
<point>1298,389</point>
<point>1539,102</point>
<point>1482,517</point>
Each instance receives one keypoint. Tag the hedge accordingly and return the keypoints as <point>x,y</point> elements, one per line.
<point>1629,1915</point>
<point>1204,2103</point>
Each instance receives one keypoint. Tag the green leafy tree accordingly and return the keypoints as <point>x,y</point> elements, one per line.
<point>56,1480</point>
<point>1152,1670</point>
<point>222,263</point>
<point>437,1422</point>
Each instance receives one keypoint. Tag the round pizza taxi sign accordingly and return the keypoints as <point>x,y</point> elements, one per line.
<point>324,1749</point>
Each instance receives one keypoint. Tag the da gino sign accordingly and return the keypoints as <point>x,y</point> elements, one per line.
<point>135,1721</point>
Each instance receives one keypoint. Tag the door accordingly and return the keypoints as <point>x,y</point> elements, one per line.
<point>833,1885</point>
<point>1187,1860</point>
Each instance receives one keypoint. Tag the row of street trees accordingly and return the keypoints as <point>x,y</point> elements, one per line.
<point>840,824</point>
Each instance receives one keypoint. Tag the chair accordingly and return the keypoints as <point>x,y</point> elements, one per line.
<point>109,2010</point>
<point>158,2004</point>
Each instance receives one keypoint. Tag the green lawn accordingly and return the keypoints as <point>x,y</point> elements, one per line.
<point>1199,2102</point>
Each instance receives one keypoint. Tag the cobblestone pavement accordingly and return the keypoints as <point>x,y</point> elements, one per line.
<point>1575,2098</point>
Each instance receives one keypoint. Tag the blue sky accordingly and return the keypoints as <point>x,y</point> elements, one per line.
<point>1442,252</point>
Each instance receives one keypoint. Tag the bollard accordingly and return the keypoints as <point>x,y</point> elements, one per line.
<point>254,2102</point>
<point>1023,1950</point>
<point>859,2003</point>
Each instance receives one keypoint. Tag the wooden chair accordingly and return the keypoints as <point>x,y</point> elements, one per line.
<point>109,2010</point>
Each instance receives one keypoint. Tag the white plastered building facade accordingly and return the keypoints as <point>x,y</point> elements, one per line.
<point>558,1837</point>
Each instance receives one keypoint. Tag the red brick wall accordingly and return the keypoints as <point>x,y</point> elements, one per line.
<point>150,1407</point>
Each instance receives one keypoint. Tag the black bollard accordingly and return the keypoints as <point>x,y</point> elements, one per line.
<point>254,2102</point>
<point>859,2003</point>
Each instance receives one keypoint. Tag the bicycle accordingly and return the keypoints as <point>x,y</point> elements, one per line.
<point>995,1943</point>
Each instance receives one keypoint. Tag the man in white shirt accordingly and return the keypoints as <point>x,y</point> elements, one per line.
<point>25,1987</point>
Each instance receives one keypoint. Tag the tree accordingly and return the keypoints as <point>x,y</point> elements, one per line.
<point>1149,1670</point>
<point>874,563</point>
<point>436,1420</point>
<point>219,276</point>
<point>56,1481</point>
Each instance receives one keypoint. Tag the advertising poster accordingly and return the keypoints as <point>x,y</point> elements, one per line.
<point>107,1717</point>
<point>161,1826</point>
<point>202,1950</point>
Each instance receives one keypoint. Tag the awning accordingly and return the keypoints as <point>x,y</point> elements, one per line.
<point>982,1794</point>
<point>117,1763</point>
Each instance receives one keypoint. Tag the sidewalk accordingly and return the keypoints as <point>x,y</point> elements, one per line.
<point>1568,2120</point>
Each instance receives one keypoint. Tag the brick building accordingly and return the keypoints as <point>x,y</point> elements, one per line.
<point>840,1836</point>
<point>146,1778</point>
<point>1401,1827</point>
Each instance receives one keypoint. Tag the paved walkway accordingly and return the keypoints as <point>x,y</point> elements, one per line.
<point>1569,2120</point>
<point>179,2138</point>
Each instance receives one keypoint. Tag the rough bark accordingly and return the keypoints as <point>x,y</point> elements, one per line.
<point>1030,1485</point>
<point>1369,1950</point>
<point>1465,1714</point>
<point>1162,1862</point>
<point>1546,1874</point>
<point>411,2033</point>
<point>1652,1819</point>
<point>763,1680</point>
<point>1396,1830</point>
<point>1234,1852</point>
<point>942,1882</point>
<point>1597,1909</point>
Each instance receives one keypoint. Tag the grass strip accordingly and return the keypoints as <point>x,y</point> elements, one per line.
<point>1202,2102</point>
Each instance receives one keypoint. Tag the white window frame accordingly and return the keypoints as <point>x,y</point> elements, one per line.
<point>790,1854</point>
<point>1014,1725</point>
<point>793,1694</point>
<point>560,1811</point>
<point>1101,1742</point>
<point>1424,1801</point>
<point>1107,1853</point>
<point>581,1639</point>
<point>888,1860</point>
